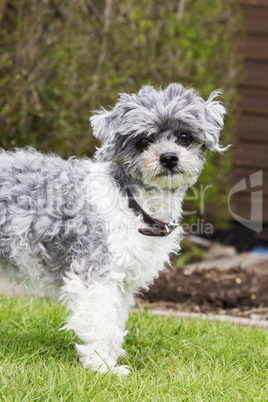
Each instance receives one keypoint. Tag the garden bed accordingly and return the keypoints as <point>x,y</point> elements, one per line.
<point>239,288</point>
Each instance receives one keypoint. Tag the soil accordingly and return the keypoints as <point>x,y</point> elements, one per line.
<point>236,291</point>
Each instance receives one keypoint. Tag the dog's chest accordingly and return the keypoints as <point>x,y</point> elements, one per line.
<point>141,258</point>
<point>138,258</point>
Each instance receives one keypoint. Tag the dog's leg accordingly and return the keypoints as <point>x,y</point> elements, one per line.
<point>97,316</point>
<point>128,302</point>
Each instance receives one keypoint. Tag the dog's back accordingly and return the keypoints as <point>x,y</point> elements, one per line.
<point>46,217</point>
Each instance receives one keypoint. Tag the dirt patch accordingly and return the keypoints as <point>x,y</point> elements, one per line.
<point>235,291</point>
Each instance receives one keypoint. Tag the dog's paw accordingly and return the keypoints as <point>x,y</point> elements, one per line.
<point>121,370</point>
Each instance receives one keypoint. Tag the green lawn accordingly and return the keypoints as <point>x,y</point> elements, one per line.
<point>170,359</point>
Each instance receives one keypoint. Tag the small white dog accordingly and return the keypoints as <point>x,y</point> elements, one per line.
<point>93,233</point>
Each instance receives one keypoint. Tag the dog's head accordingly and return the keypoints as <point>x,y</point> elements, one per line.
<point>159,137</point>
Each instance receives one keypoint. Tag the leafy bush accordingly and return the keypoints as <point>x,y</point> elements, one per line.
<point>59,60</point>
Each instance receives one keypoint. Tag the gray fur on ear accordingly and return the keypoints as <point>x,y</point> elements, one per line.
<point>103,131</point>
<point>99,124</point>
<point>214,117</point>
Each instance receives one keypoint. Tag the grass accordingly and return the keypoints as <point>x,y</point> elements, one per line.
<point>170,359</point>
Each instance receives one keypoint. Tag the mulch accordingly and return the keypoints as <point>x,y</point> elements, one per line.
<point>235,291</point>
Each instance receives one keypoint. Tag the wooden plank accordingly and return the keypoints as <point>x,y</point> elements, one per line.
<point>254,101</point>
<point>255,74</point>
<point>242,260</point>
<point>251,154</point>
<point>255,19</point>
<point>240,173</point>
<point>209,317</point>
<point>255,48</point>
<point>241,205</point>
<point>254,3</point>
<point>252,127</point>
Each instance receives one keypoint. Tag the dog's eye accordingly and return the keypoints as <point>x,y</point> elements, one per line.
<point>185,139</point>
<point>142,144</point>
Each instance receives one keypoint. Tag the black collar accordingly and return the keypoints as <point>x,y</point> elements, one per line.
<point>156,227</point>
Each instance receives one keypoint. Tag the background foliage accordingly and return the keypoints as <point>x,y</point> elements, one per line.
<point>59,60</point>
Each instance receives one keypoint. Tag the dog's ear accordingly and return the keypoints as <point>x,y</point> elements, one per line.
<point>99,123</point>
<point>104,132</point>
<point>214,117</point>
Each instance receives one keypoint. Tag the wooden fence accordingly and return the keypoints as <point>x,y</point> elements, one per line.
<point>251,150</point>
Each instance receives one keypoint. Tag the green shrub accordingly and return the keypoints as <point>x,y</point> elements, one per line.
<point>59,60</point>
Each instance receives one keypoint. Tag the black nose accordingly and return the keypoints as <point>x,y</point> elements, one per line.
<point>169,160</point>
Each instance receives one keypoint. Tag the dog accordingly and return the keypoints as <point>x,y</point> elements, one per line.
<point>92,233</point>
